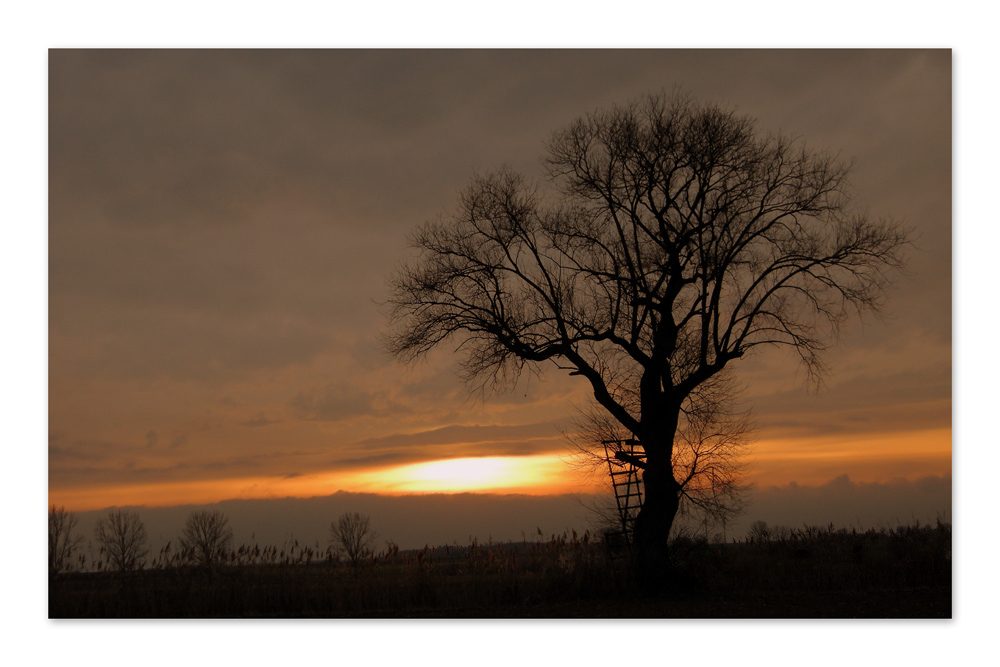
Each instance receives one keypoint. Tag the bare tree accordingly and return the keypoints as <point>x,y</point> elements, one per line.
<point>122,537</point>
<point>669,240</point>
<point>62,542</point>
<point>207,536</point>
<point>352,535</point>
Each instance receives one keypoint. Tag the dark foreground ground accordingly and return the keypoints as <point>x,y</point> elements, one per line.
<point>918,603</point>
<point>810,573</point>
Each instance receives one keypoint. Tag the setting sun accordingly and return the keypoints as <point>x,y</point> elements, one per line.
<point>522,474</point>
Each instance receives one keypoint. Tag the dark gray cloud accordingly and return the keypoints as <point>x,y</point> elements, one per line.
<point>847,503</point>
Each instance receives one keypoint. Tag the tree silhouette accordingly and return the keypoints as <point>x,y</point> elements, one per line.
<point>122,537</point>
<point>670,239</point>
<point>709,457</point>
<point>352,535</point>
<point>62,542</point>
<point>207,536</point>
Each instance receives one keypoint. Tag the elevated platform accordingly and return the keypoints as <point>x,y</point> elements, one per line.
<point>625,461</point>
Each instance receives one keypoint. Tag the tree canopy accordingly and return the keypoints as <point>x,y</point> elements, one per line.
<point>669,239</point>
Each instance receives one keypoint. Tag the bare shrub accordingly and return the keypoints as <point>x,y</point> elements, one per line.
<point>759,532</point>
<point>62,542</point>
<point>207,537</point>
<point>352,536</point>
<point>122,537</point>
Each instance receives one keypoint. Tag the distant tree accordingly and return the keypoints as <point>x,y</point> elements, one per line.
<point>352,536</point>
<point>122,537</point>
<point>671,240</point>
<point>62,542</point>
<point>207,536</point>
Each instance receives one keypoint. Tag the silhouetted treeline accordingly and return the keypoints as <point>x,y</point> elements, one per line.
<point>775,573</point>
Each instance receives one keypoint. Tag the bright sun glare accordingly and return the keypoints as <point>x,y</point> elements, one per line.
<point>472,474</point>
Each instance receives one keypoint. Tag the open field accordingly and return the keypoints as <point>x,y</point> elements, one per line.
<point>805,573</point>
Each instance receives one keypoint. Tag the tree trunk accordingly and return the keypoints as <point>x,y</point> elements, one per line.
<point>652,526</point>
<point>661,491</point>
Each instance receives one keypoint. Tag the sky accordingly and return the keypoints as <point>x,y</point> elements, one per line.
<point>222,224</point>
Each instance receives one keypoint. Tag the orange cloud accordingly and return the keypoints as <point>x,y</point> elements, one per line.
<point>868,457</point>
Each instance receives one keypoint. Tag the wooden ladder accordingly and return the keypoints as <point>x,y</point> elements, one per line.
<point>624,464</point>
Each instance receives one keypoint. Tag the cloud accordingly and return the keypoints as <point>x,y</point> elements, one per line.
<point>846,503</point>
<point>462,434</point>
<point>336,402</point>
<point>81,451</point>
<point>259,421</point>
<point>858,398</point>
<point>455,441</point>
<point>83,463</point>
<point>397,455</point>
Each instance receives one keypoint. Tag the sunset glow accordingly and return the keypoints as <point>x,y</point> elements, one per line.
<point>540,474</point>
<point>774,462</point>
<point>530,475</point>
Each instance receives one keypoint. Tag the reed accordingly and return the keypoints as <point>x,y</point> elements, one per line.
<point>804,569</point>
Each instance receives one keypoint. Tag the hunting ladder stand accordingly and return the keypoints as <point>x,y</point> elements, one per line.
<point>624,464</point>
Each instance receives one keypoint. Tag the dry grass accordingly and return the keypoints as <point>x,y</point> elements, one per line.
<point>810,572</point>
